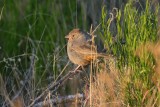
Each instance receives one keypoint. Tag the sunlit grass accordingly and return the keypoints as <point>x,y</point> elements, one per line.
<point>131,78</point>
<point>135,28</point>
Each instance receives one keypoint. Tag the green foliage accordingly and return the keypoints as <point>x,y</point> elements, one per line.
<point>134,28</point>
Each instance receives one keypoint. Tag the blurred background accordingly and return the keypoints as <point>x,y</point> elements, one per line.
<point>41,25</point>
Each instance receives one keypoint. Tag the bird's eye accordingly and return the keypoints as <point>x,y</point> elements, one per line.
<point>73,35</point>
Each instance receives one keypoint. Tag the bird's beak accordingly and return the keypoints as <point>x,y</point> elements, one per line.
<point>67,36</point>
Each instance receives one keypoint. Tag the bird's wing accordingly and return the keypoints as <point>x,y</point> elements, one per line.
<point>85,49</point>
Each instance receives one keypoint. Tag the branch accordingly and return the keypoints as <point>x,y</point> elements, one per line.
<point>59,100</point>
<point>56,85</point>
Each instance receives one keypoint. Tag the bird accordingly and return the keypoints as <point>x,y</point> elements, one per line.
<point>81,48</point>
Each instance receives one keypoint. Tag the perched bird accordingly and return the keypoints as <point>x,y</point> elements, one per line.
<point>81,48</point>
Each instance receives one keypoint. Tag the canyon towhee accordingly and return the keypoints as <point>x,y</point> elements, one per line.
<point>81,48</point>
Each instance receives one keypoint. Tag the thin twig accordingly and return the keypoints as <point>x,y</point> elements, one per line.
<point>93,31</point>
<point>29,75</point>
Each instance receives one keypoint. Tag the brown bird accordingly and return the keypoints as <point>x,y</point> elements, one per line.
<point>81,48</point>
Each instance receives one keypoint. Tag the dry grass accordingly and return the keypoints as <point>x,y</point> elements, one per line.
<point>154,49</point>
<point>105,88</point>
<point>151,95</point>
<point>109,86</point>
